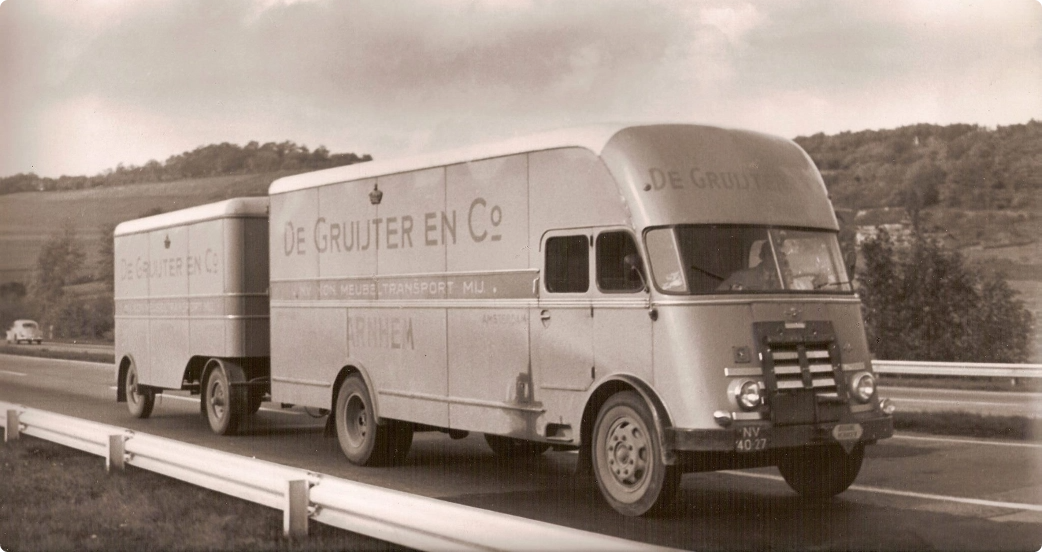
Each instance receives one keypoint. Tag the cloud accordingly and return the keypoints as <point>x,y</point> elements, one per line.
<point>391,78</point>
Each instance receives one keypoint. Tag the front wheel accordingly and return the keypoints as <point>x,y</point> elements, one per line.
<point>627,458</point>
<point>819,473</point>
<point>140,401</point>
<point>362,440</point>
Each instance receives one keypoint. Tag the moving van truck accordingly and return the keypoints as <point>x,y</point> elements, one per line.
<point>663,298</point>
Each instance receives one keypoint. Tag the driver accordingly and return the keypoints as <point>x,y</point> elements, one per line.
<point>761,277</point>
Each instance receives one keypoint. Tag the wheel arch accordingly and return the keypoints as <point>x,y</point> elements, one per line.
<point>617,384</point>
<point>347,371</point>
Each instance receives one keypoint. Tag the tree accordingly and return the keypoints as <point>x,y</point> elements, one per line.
<point>59,261</point>
<point>880,290</point>
<point>106,267</point>
<point>920,188</point>
<point>924,303</point>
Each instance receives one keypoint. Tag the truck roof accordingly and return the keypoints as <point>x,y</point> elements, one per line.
<point>591,137</point>
<point>230,208</point>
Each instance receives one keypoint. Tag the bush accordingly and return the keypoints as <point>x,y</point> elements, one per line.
<point>923,302</point>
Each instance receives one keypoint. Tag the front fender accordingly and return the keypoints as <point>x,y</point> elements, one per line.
<point>618,382</point>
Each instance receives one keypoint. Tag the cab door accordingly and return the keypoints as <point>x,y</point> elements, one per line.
<point>622,323</point>
<point>562,322</point>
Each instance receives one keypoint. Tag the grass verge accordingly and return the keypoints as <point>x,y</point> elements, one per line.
<point>44,352</point>
<point>57,498</point>
<point>962,424</point>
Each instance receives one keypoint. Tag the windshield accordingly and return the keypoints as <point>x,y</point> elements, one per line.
<point>715,259</point>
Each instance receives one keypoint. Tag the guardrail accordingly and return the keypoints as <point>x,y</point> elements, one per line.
<point>391,516</point>
<point>962,369</point>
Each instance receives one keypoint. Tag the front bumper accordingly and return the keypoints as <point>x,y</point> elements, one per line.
<point>751,437</point>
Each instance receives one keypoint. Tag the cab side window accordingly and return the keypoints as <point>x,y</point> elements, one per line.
<point>567,264</point>
<point>614,272</point>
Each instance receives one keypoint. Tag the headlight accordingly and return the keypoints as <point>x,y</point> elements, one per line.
<point>863,386</point>
<point>747,393</point>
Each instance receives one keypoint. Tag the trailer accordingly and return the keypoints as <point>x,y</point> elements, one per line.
<point>191,308</point>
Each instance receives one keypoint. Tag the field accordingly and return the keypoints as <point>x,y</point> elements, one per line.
<point>28,219</point>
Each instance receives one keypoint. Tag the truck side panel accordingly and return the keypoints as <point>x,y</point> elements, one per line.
<point>404,350</point>
<point>168,307</point>
<point>306,343</point>
<point>489,373</point>
<point>206,247</point>
<point>131,297</point>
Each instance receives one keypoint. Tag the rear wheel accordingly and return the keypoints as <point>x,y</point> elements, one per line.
<point>627,458</point>
<point>363,441</point>
<point>821,472</point>
<point>140,401</point>
<point>509,447</point>
<point>223,404</point>
<point>253,401</point>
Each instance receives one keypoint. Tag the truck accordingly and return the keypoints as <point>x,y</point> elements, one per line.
<point>662,299</point>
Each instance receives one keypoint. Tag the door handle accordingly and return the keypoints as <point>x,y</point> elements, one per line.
<point>544,315</point>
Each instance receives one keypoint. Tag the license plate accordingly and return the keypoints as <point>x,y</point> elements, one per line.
<point>848,432</point>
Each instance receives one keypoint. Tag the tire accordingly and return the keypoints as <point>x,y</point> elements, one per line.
<point>819,473</point>
<point>364,442</point>
<point>140,402</point>
<point>509,447</point>
<point>253,403</point>
<point>627,458</point>
<point>224,405</point>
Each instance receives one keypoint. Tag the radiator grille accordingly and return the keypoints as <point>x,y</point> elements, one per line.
<point>800,366</point>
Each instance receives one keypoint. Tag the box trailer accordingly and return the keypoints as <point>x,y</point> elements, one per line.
<point>191,300</point>
<point>663,298</point>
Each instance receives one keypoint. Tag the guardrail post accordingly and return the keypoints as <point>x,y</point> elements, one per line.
<point>295,509</point>
<point>13,429</point>
<point>116,460</point>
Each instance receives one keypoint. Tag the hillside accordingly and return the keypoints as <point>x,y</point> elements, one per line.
<point>978,190</point>
<point>28,219</point>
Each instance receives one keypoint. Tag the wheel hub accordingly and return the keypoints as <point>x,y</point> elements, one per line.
<point>358,420</point>
<point>217,399</point>
<point>627,452</point>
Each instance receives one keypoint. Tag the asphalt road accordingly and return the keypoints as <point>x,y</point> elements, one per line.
<point>914,492</point>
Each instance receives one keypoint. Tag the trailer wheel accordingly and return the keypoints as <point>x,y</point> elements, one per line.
<point>140,402</point>
<point>253,402</point>
<point>363,441</point>
<point>819,473</point>
<point>224,405</point>
<point>627,458</point>
<point>509,447</point>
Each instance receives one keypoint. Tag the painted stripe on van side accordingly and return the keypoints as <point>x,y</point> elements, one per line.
<point>497,285</point>
<point>182,306</point>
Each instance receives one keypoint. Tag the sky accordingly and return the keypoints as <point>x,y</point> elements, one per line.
<point>88,84</point>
